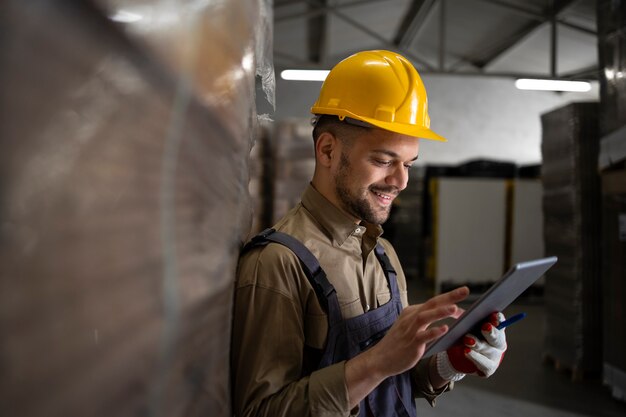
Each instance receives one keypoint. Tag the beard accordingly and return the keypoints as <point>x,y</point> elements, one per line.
<point>357,203</point>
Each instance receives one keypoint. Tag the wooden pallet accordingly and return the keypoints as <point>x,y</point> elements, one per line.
<point>575,372</point>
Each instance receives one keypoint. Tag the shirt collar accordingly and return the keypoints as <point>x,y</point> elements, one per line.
<point>335,222</point>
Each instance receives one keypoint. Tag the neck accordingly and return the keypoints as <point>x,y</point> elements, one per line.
<point>326,189</point>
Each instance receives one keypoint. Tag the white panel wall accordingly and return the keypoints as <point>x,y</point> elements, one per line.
<point>470,230</point>
<point>527,222</point>
<point>527,227</point>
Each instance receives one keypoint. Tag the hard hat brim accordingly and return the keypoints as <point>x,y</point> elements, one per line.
<point>402,128</point>
<point>406,129</point>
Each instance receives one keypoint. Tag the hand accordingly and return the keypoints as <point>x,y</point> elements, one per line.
<point>403,345</point>
<point>474,356</point>
<point>405,342</point>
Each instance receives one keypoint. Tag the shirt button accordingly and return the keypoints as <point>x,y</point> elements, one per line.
<point>367,307</point>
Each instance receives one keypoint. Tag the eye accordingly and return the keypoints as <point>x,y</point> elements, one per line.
<point>382,162</point>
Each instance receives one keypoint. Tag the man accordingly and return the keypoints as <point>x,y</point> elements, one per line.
<point>322,325</point>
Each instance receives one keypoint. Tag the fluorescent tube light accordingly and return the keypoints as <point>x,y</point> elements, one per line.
<point>552,85</point>
<point>124,16</point>
<point>304,75</point>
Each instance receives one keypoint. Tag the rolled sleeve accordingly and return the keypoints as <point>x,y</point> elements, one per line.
<point>328,392</point>
<point>423,387</point>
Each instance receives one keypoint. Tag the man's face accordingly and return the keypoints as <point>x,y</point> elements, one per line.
<point>372,171</point>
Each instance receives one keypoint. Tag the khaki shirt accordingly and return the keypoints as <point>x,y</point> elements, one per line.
<point>277,315</point>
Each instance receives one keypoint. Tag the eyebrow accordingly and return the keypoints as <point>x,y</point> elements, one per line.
<point>391,154</point>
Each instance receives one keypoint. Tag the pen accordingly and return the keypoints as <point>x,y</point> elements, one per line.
<point>476,330</point>
<point>510,321</point>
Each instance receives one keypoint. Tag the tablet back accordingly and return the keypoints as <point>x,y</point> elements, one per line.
<point>497,298</point>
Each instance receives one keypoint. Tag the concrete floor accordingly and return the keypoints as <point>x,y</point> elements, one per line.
<point>524,385</point>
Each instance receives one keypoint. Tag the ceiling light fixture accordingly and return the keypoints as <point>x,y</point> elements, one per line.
<point>304,75</point>
<point>552,85</point>
<point>124,16</point>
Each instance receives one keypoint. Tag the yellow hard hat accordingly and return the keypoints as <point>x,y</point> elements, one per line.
<point>381,88</point>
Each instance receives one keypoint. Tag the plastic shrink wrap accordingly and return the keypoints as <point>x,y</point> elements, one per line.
<point>612,163</point>
<point>571,218</point>
<point>125,133</point>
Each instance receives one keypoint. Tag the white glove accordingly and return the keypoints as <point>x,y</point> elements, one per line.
<point>474,356</point>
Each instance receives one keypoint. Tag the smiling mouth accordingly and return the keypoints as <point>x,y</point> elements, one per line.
<point>385,198</point>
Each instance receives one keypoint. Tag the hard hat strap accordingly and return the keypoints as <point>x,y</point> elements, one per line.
<point>356,122</point>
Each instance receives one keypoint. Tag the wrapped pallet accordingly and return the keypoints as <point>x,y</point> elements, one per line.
<point>571,209</point>
<point>614,280</point>
<point>125,134</point>
<point>404,226</point>
<point>612,161</point>
<point>261,185</point>
<point>294,163</point>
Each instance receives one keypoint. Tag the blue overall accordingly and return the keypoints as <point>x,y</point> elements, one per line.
<point>348,337</point>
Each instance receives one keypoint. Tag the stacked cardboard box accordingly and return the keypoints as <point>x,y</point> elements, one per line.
<point>123,200</point>
<point>614,280</point>
<point>612,161</point>
<point>260,186</point>
<point>404,227</point>
<point>294,162</point>
<point>571,194</point>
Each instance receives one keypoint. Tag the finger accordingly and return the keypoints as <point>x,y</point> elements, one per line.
<point>483,363</point>
<point>426,317</point>
<point>500,317</point>
<point>469,340</point>
<point>496,318</point>
<point>450,297</point>
<point>485,349</point>
<point>493,336</point>
<point>459,312</point>
<point>431,334</point>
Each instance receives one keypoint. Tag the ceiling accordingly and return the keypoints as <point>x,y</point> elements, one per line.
<point>512,38</point>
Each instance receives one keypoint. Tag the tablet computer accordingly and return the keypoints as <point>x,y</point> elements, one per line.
<point>497,298</point>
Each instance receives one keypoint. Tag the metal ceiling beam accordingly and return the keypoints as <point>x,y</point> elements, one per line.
<point>379,37</point>
<point>577,27</point>
<point>531,14</point>
<point>316,33</point>
<point>587,73</point>
<point>412,22</point>
<point>442,35</point>
<point>292,59</point>
<point>322,10</point>
<point>318,8</point>
<point>506,44</point>
<point>553,44</point>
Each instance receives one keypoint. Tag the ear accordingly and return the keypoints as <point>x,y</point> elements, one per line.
<point>326,148</point>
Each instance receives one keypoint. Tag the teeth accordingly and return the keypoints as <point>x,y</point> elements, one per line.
<point>382,195</point>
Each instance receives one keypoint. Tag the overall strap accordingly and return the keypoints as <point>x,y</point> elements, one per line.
<point>311,266</point>
<point>390,272</point>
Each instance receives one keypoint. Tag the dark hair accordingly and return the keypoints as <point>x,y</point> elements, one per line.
<point>342,130</point>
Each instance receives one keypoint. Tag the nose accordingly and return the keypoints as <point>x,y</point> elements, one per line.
<point>399,177</point>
